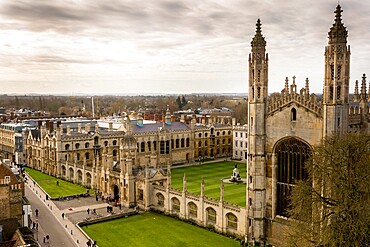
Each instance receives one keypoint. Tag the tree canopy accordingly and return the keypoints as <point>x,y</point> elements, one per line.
<point>332,207</point>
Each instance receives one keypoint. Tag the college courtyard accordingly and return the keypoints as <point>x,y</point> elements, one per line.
<point>124,226</point>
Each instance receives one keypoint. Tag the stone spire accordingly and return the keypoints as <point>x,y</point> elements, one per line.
<point>356,95</point>
<point>338,32</point>
<point>184,183</point>
<point>258,40</point>
<point>363,88</point>
<point>307,88</point>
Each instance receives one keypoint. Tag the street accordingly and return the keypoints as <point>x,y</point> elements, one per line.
<point>47,223</point>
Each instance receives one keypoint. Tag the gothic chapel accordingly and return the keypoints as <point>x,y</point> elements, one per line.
<point>284,129</point>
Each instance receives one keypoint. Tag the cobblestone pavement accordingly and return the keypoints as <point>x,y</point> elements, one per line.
<point>78,202</point>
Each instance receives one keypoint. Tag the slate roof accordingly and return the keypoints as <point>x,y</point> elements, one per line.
<point>153,127</point>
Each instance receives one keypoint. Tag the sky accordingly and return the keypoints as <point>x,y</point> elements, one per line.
<point>169,46</point>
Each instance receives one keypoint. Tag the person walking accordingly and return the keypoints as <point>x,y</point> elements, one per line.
<point>88,211</point>
<point>37,212</point>
<point>63,216</point>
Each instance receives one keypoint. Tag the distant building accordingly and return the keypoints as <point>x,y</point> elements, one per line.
<point>240,145</point>
<point>11,194</point>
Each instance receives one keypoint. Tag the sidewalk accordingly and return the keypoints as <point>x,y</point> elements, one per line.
<point>75,232</point>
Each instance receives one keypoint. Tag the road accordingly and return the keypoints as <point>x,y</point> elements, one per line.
<point>48,224</point>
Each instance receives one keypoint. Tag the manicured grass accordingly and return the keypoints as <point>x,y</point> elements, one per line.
<point>212,173</point>
<point>149,229</point>
<point>49,184</point>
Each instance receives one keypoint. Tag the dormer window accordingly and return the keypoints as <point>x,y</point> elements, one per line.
<point>7,179</point>
<point>293,114</point>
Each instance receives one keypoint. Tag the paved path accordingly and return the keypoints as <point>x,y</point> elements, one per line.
<point>62,232</point>
<point>47,223</point>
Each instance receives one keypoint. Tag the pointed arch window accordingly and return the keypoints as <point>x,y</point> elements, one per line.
<point>339,71</point>
<point>331,93</point>
<point>291,155</point>
<point>339,89</point>
<point>258,92</point>
<point>293,114</point>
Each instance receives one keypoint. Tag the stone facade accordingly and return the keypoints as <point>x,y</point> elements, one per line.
<point>284,128</point>
<point>11,194</point>
<point>116,162</point>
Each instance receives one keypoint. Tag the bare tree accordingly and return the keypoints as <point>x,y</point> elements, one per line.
<point>332,207</point>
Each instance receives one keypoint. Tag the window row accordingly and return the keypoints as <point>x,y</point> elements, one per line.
<point>212,132</point>
<point>192,211</point>
<point>87,144</point>
<point>164,146</point>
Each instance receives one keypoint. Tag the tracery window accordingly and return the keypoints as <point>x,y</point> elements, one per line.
<point>175,205</point>
<point>193,210</point>
<point>291,155</point>
<point>211,216</point>
<point>231,221</point>
<point>160,199</point>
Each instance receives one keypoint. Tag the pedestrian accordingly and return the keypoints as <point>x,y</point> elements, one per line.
<point>44,240</point>
<point>88,243</point>
<point>63,216</point>
<point>47,237</point>
<point>107,209</point>
<point>37,226</point>
<point>37,212</point>
<point>94,211</point>
<point>120,206</point>
<point>96,198</point>
<point>57,183</point>
<point>88,211</point>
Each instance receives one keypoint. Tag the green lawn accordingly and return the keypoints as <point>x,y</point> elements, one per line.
<point>49,184</point>
<point>212,173</point>
<point>149,229</point>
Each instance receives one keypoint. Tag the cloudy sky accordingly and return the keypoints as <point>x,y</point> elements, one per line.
<point>164,46</point>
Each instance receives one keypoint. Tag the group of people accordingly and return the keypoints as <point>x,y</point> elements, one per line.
<point>91,243</point>
<point>109,209</point>
<point>93,211</point>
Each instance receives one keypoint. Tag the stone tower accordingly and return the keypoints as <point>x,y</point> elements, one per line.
<point>257,106</point>
<point>336,80</point>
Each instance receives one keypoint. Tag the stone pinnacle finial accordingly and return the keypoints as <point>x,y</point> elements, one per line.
<point>363,87</point>
<point>258,25</point>
<point>338,14</point>
<point>258,40</point>
<point>338,32</point>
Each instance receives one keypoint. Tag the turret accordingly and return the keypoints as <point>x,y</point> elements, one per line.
<point>257,108</point>
<point>336,80</point>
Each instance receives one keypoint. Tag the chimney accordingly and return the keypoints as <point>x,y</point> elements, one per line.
<point>39,124</point>
<point>110,126</point>
<point>68,130</point>
<point>87,127</point>
<point>11,115</point>
<point>182,118</point>
<point>79,128</point>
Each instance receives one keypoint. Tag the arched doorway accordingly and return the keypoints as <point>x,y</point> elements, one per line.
<point>116,192</point>
<point>291,154</point>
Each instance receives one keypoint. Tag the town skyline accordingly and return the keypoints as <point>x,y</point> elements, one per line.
<point>165,47</point>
